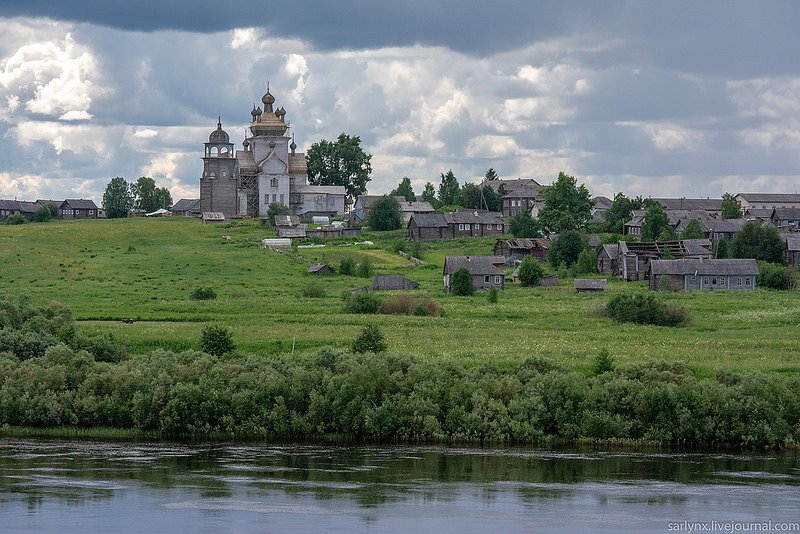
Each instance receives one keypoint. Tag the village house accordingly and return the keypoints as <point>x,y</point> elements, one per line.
<point>486,271</point>
<point>362,207</point>
<point>187,207</point>
<point>608,259</point>
<point>715,229</point>
<point>792,241</point>
<point>392,282</point>
<point>633,259</point>
<point>689,274</point>
<point>520,196</point>
<point>521,247</point>
<point>409,208</point>
<point>771,201</point>
<point>786,218</point>
<point>712,207</point>
<point>461,223</point>
<point>321,269</point>
<point>634,225</point>
<point>18,207</point>
<point>600,205</point>
<point>73,208</point>
<point>590,285</point>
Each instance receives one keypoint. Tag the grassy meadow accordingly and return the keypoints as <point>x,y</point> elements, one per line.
<point>144,269</point>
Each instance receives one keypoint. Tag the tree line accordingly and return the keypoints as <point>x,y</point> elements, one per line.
<point>120,197</point>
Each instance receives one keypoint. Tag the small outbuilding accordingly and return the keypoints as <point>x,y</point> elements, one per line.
<point>392,282</point>
<point>213,217</point>
<point>590,285</point>
<point>321,269</point>
<point>521,247</point>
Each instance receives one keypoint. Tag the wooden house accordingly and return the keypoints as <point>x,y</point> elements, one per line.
<point>392,282</point>
<point>712,207</point>
<point>608,259</point>
<point>409,208</point>
<point>715,229</point>
<point>688,274</point>
<point>633,259</point>
<point>320,269</point>
<point>73,208</point>
<point>461,223</point>
<point>792,248</point>
<point>486,271</point>
<point>521,247</point>
<point>590,285</point>
<point>750,201</point>
<point>18,207</point>
<point>786,218</point>
<point>187,207</point>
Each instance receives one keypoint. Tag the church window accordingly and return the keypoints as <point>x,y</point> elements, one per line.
<point>274,197</point>
<point>273,182</point>
<point>282,202</point>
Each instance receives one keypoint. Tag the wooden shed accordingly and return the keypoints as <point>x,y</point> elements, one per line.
<point>590,285</point>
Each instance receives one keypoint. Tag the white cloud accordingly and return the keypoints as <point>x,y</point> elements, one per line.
<point>145,133</point>
<point>297,67</point>
<point>24,187</point>
<point>75,115</point>
<point>666,136</point>
<point>245,38</point>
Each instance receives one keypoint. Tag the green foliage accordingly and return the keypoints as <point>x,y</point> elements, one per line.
<point>530,272</point>
<point>449,190</point>
<point>620,212</point>
<point>523,225</point>
<point>216,340</point>
<point>603,363</point>
<point>491,295</point>
<point>731,207</point>
<point>364,269</point>
<point>693,230</point>
<point>148,197</point>
<point>461,283</point>
<point>723,249</point>
<point>313,290</point>
<point>203,293</point>
<point>566,205</point>
<point>404,190</point>
<point>385,214</point>
<point>587,262</point>
<point>667,254</point>
<point>566,248</point>
<point>341,162</point>
<point>409,305</point>
<point>347,266</point>
<point>491,175</point>
<point>429,195</point>
<point>370,339</point>
<point>15,219</point>
<point>117,198</point>
<point>755,241</point>
<point>646,309</point>
<point>666,284</point>
<point>655,221</point>
<point>774,276</point>
<point>43,214</point>
<point>667,234</point>
<point>363,302</point>
<point>276,208</point>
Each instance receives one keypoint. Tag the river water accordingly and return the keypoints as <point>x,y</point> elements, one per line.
<point>118,487</point>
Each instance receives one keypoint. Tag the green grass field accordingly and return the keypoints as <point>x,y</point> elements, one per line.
<point>145,269</point>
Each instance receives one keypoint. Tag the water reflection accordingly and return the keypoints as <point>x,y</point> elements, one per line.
<point>166,487</point>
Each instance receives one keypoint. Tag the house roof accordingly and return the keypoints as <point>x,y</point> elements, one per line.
<point>759,213</point>
<point>590,283</point>
<point>288,231</point>
<point>20,205</point>
<point>213,216</point>
<point>674,216</point>
<point>602,202</point>
<point>319,189</point>
<point>704,267</point>
<point>366,201</point>
<point>80,204</point>
<point>429,220</point>
<point>526,243</point>
<point>611,250</point>
<point>511,184</point>
<point>186,204</point>
<point>474,264</point>
<point>415,206</point>
<point>792,242</point>
<point>388,282</point>
<point>705,204</point>
<point>316,267</point>
<point>786,214</point>
<point>770,198</point>
<point>474,216</point>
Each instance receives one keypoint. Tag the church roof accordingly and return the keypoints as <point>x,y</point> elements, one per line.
<point>219,135</point>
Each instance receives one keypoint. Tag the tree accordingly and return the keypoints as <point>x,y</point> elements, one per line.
<point>491,175</point>
<point>162,198</point>
<point>753,241</point>
<point>723,250</point>
<point>603,363</point>
<point>117,199</point>
<point>587,262</point>
<point>565,248</point>
<point>404,190</point>
<point>566,206</point>
<point>493,201</point>
<point>385,214</point>
<point>530,272</point>
<point>471,196</point>
<point>620,212</point>
<point>15,219</point>
<point>276,208</point>
<point>693,230</point>
<point>42,215</point>
<point>369,340</point>
<point>341,162</point>
<point>655,221</point>
<point>731,207</point>
<point>216,340</point>
<point>523,225</point>
<point>449,190</point>
<point>144,194</point>
<point>461,283</point>
<point>429,195</point>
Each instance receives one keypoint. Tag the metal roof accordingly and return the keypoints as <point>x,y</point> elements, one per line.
<point>186,204</point>
<point>474,264</point>
<point>699,267</point>
<point>80,204</point>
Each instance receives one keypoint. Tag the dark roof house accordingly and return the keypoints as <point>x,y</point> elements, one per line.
<point>486,271</point>
<point>689,274</point>
<point>186,207</point>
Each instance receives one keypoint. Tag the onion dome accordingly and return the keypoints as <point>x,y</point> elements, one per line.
<point>268,100</point>
<point>219,135</point>
<point>280,113</point>
<point>256,112</point>
<point>246,143</point>
<point>293,146</point>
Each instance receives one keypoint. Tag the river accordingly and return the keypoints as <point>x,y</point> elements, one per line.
<point>49,485</point>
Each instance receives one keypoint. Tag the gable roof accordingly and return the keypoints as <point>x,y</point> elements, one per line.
<point>474,264</point>
<point>317,267</point>
<point>705,204</point>
<point>186,204</point>
<point>747,267</point>
<point>428,220</point>
<point>611,250</point>
<point>21,206</point>
<point>80,204</point>
<point>417,206</point>
<point>770,197</point>
<point>786,214</point>
<point>511,184</point>
<point>601,202</point>
<point>792,242</point>
<point>526,243</point>
<point>287,220</point>
<point>474,216</point>
<point>388,282</point>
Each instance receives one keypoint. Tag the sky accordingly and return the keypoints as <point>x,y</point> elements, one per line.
<point>652,98</point>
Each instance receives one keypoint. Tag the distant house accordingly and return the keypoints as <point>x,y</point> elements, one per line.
<point>187,207</point>
<point>607,259</point>
<point>520,196</point>
<point>486,271</point>
<point>634,225</point>
<point>308,201</point>
<point>287,221</point>
<point>688,274</point>
<point>213,217</point>
<point>786,218</point>
<point>320,269</point>
<point>461,223</point>
<point>711,206</point>
<point>590,285</point>
<point>715,229</point>
<point>750,201</point>
<point>521,247</point>
<point>18,207</point>
<point>392,282</point>
<point>362,207</point>
<point>73,208</point>
<point>600,207</point>
<point>409,208</point>
<point>633,259</point>
<point>793,249</point>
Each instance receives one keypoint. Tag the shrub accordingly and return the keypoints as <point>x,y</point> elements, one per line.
<point>774,276</point>
<point>363,302</point>
<point>418,250</point>
<point>25,344</point>
<point>530,272</point>
<point>364,269</point>
<point>665,283</point>
<point>399,246</point>
<point>15,219</point>
<point>565,248</point>
<point>203,293</point>
<point>491,295</point>
<point>461,283</point>
<point>43,214</point>
<point>587,262</point>
<point>216,340</point>
<point>408,305</point>
<point>274,209</point>
<point>385,214</point>
<point>347,266</point>
<point>646,309</point>
<point>603,363</point>
<point>369,340</point>
<point>313,290</point>
<point>104,349</point>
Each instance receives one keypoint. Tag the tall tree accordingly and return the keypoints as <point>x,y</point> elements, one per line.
<point>491,175</point>
<point>693,230</point>
<point>404,190</point>
<point>385,214</point>
<point>449,190</point>
<point>566,206</point>
<point>754,241</point>
<point>117,198</point>
<point>565,248</point>
<point>655,221</point>
<point>341,162</point>
<point>524,226</point>
<point>731,207</point>
<point>471,196</point>
<point>429,195</point>
<point>620,212</point>
<point>144,194</point>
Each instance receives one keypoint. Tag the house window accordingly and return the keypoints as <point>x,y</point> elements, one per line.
<point>460,226</point>
<point>722,281</point>
<point>705,280</point>
<point>486,279</point>
<point>497,280</point>
<point>488,226</point>
<point>499,226</point>
<point>224,173</point>
<point>266,199</point>
<point>91,212</point>
<point>714,281</point>
<point>739,281</point>
<point>747,281</point>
